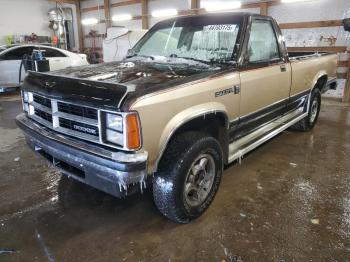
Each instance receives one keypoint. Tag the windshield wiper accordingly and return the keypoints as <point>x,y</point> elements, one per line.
<point>138,55</point>
<point>226,62</point>
<point>190,58</point>
<point>211,62</point>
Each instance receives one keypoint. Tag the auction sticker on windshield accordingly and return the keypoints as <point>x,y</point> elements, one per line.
<point>221,28</point>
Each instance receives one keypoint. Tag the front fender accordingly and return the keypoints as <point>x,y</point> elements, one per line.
<point>184,117</point>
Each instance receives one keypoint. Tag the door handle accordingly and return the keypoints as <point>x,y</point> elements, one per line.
<point>283,68</point>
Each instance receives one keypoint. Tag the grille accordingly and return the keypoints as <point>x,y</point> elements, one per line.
<point>43,115</point>
<point>74,120</point>
<point>42,101</point>
<point>77,110</point>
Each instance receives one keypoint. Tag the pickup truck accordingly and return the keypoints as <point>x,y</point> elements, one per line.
<point>195,94</point>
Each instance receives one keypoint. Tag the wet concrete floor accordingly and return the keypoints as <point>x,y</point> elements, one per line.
<point>288,201</point>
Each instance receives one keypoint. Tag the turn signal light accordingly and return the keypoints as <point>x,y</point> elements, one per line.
<point>133,132</point>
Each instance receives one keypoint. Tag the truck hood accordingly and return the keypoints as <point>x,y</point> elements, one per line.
<point>111,84</point>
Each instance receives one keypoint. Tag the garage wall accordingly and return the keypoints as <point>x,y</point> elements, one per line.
<point>284,13</point>
<point>161,4</point>
<point>293,12</point>
<point>24,17</point>
<point>31,17</point>
<point>100,28</point>
<point>310,11</point>
<point>134,10</point>
<point>313,11</point>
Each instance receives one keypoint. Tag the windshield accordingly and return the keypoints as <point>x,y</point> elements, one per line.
<point>203,39</point>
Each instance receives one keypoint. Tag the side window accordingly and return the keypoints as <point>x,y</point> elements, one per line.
<point>52,53</point>
<point>263,45</point>
<point>17,54</point>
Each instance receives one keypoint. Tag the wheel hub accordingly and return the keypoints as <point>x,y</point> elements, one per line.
<point>314,111</point>
<point>199,180</point>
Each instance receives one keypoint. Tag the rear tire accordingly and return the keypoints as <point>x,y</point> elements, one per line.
<point>189,177</point>
<point>314,108</point>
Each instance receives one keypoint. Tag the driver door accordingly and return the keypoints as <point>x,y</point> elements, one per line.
<point>265,78</point>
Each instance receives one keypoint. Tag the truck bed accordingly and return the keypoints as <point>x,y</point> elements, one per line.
<point>297,55</point>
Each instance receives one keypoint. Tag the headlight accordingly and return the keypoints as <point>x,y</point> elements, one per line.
<point>114,122</point>
<point>123,129</point>
<point>114,129</point>
<point>115,137</point>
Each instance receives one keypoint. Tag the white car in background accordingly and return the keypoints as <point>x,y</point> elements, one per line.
<point>11,57</point>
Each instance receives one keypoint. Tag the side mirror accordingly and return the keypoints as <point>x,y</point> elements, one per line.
<point>346,23</point>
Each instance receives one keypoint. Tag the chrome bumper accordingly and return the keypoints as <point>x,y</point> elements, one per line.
<point>110,171</point>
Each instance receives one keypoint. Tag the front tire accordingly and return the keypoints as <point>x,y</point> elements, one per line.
<point>189,177</point>
<point>314,108</point>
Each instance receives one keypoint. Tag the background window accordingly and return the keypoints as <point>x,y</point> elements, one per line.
<point>52,53</point>
<point>262,45</point>
<point>17,54</point>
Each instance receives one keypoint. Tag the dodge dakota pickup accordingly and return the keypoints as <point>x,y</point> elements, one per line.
<point>195,94</point>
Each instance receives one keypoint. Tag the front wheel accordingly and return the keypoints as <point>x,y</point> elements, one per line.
<point>189,178</point>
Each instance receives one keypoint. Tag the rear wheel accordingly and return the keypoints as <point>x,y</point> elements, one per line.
<point>314,107</point>
<point>189,178</point>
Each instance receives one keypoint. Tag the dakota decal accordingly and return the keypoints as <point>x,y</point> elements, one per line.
<point>225,92</point>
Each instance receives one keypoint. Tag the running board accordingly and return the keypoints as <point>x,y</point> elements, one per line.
<point>239,148</point>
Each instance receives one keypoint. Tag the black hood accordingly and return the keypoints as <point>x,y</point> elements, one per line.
<point>110,84</point>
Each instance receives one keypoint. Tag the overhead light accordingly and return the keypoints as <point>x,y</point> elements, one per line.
<point>293,1</point>
<point>122,17</point>
<point>220,6</point>
<point>164,13</point>
<point>89,21</point>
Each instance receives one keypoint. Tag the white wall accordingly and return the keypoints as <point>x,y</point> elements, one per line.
<point>24,17</point>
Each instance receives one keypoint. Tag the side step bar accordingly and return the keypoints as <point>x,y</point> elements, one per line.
<point>239,148</point>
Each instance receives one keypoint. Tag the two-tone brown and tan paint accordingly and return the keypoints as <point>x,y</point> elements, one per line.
<point>163,112</point>
<point>307,71</point>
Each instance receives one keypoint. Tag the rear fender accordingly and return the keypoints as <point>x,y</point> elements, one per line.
<point>318,76</point>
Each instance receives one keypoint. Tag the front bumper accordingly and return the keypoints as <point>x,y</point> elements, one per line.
<point>110,171</point>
